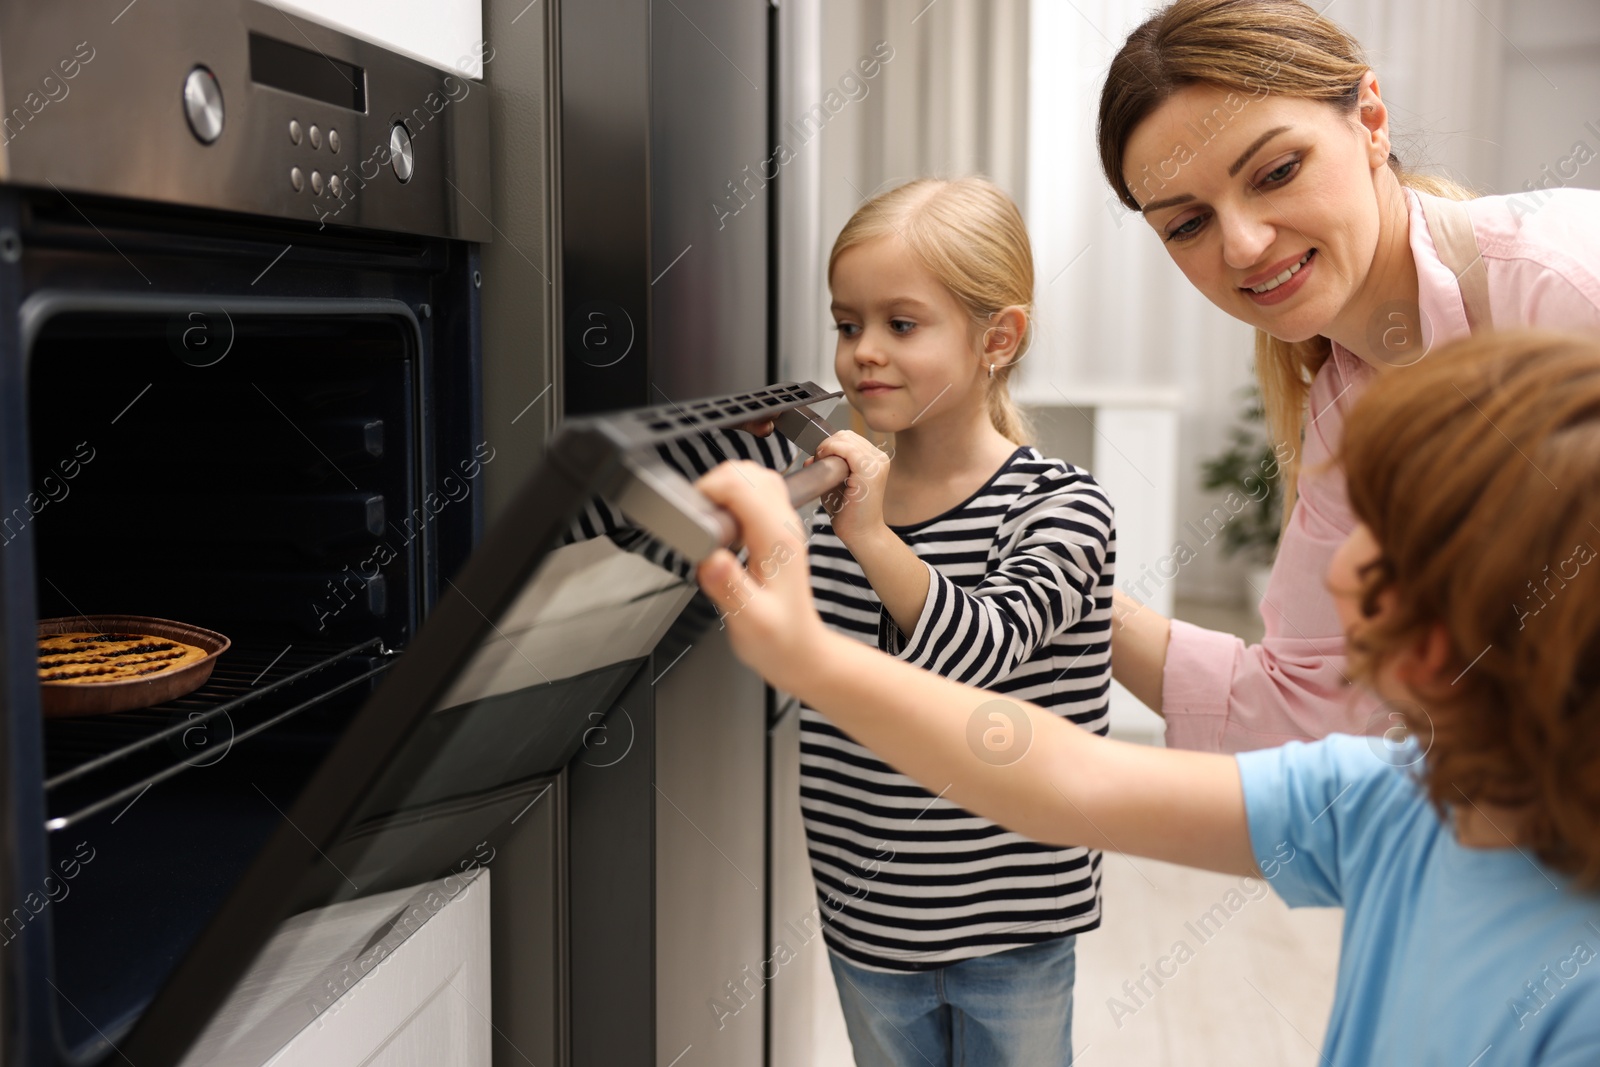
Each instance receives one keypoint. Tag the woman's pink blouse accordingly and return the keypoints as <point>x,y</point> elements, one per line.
<point>1542,253</point>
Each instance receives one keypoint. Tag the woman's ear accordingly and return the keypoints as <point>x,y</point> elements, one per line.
<point>1373,116</point>
<point>1003,337</point>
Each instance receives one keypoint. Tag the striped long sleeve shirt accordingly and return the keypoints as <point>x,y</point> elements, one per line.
<point>1019,603</point>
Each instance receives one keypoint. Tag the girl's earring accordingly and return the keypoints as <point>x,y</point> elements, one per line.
<point>991,370</point>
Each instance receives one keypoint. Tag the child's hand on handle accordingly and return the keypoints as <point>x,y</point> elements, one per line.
<point>766,606</point>
<point>857,506</point>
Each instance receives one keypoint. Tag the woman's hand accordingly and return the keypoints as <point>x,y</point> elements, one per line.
<point>857,506</point>
<point>766,606</point>
<point>762,427</point>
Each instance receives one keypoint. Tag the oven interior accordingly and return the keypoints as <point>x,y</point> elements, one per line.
<point>254,474</point>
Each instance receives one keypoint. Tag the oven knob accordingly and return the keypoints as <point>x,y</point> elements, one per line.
<point>335,186</point>
<point>316,183</point>
<point>202,102</point>
<point>400,152</point>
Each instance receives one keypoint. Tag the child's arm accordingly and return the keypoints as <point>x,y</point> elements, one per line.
<point>1056,536</point>
<point>1068,787</point>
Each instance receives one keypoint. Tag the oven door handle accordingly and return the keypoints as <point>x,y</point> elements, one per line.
<point>806,486</point>
<point>665,503</point>
<point>812,482</point>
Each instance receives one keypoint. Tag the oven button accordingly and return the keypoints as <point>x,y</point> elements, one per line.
<point>316,183</point>
<point>202,103</point>
<point>316,136</point>
<point>333,140</point>
<point>295,132</point>
<point>400,157</point>
<point>297,178</point>
<point>335,186</point>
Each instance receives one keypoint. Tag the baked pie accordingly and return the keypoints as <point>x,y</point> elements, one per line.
<point>85,657</point>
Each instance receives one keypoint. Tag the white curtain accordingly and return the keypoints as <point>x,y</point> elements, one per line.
<point>952,100</point>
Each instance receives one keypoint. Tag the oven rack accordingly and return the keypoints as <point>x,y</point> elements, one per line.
<point>96,762</point>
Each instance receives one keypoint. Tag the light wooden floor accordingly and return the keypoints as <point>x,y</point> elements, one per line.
<point>1256,991</point>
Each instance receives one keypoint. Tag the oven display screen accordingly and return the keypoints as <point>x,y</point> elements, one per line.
<point>312,74</point>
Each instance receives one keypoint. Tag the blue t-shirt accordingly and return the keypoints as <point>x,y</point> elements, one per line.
<point>1455,956</point>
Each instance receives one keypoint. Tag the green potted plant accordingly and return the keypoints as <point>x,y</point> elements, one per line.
<point>1248,469</point>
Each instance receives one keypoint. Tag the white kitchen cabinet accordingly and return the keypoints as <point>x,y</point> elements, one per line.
<point>398,979</point>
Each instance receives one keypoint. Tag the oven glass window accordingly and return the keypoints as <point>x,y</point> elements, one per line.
<point>272,489</point>
<point>537,689</point>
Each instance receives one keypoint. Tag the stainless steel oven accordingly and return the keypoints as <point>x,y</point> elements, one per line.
<point>239,387</point>
<point>247,268</point>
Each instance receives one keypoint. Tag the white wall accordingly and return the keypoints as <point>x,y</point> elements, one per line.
<point>1550,103</point>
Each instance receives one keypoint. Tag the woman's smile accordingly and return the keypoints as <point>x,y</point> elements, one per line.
<point>1278,284</point>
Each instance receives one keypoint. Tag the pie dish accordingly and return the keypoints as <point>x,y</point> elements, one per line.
<point>97,664</point>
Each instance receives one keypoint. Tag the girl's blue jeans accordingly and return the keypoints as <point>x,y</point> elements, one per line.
<point>1011,1009</point>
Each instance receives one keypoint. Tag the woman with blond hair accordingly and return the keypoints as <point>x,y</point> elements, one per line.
<point>1252,137</point>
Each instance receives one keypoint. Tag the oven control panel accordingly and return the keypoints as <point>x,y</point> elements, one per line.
<point>239,106</point>
<point>320,165</point>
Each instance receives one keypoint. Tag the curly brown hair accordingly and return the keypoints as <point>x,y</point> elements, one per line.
<point>1477,471</point>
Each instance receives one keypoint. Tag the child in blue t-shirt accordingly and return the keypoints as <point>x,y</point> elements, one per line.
<point>1467,857</point>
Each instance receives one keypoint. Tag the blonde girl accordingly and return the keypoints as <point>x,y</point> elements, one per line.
<point>975,557</point>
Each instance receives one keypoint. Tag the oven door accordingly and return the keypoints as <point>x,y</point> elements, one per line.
<point>532,642</point>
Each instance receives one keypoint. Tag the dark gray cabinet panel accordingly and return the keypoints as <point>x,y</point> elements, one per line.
<point>710,858</point>
<point>527,935</point>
